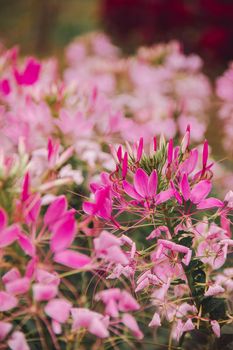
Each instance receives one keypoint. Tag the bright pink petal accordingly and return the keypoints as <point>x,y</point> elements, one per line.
<point>130,191</point>
<point>164,196</point>
<point>55,210</point>
<point>3,219</point>
<point>200,191</point>
<point>184,186</point>
<point>72,259</point>
<point>141,182</point>
<point>63,235</point>
<point>9,235</point>
<point>210,203</point>
<point>26,244</point>
<point>152,183</point>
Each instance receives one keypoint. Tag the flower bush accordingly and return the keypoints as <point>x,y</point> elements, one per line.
<point>145,259</point>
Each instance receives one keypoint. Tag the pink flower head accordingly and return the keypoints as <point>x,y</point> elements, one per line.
<point>30,74</point>
<point>107,247</point>
<point>199,191</point>
<point>117,300</point>
<point>145,187</point>
<point>94,322</point>
<point>164,244</point>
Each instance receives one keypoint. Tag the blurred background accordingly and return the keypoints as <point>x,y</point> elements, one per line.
<point>44,27</point>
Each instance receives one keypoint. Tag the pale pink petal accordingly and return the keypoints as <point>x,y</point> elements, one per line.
<point>98,328</point>
<point>200,191</point>
<point>141,182</point>
<point>130,322</point>
<point>5,328</point>
<point>56,326</point>
<point>7,301</point>
<point>18,342</point>
<point>72,259</point>
<point>214,290</point>
<point>44,292</point>
<point>127,302</point>
<point>216,328</point>
<point>188,326</point>
<point>116,255</point>
<point>58,310</point>
<point>155,322</point>
<point>18,286</point>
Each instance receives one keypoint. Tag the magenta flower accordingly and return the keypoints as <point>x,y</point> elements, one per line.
<point>145,188</point>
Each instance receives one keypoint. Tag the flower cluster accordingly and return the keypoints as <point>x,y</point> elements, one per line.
<point>150,249</point>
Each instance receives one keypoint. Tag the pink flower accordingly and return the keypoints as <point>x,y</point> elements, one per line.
<point>212,253</point>
<point>164,244</point>
<point>94,322</point>
<point>107,247</point>
<point>145,187</point>
<point>117,300</point>
<point>199,191</point>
